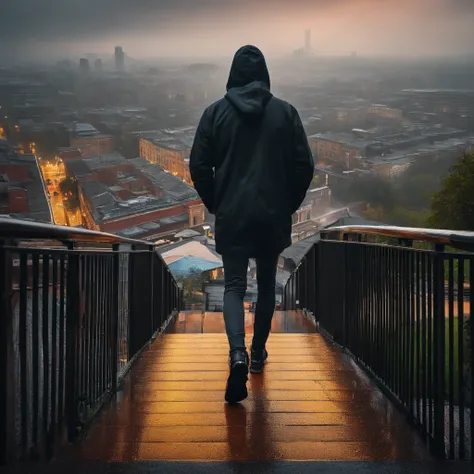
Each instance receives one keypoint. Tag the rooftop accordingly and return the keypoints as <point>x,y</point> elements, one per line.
<point>179,139</point>
<point>346,139</point>
<point>173,187</point>
<point>38,207</point>
<point>107,206</point>
<point>408,156</point>
<point>83,166</point>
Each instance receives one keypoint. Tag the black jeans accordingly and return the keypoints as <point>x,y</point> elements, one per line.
<point>235,274</point>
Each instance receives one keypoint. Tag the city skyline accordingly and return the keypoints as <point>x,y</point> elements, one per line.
<point>206,28</point>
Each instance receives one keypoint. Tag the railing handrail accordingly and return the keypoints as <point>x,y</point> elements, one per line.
<point>18,228</point>
<point>455,238</point>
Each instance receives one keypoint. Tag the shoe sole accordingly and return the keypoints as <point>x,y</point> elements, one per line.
<point>253,370</point>
<point>236,390</point>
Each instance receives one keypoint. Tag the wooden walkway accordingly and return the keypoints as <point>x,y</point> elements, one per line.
<point>311,403</point>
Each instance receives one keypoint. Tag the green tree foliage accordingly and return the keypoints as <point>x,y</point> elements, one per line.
<point>192,283</point>
<point>404,200</point>
<point>68,185</point>
<point>452,206</point>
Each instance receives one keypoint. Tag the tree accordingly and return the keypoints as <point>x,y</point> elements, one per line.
<point>452,207</point>
<point>192,283</point>
<point>68,185</point>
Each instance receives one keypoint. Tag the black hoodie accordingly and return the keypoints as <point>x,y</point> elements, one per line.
<point>250,161</point>
<point>248,87</point>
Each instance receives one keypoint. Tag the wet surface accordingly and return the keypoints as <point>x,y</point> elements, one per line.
<point>310,404</point>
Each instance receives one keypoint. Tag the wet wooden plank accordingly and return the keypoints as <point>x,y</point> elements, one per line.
<point>238,451</point>
<point>310,403</point>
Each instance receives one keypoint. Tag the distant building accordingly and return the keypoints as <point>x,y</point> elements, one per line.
<point>98,64</point>
<point>22,193</point>
<point>90,141</point>
<point>133,198</point>
<point>169,149</point>
<point>394,164</point>
<point>84,66</point>
<point>67,153</point>
<point>342,149</point>
<point>119,58</point>
<point>379,111</point>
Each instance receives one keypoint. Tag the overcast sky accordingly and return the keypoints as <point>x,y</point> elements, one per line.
<point>204,28</point>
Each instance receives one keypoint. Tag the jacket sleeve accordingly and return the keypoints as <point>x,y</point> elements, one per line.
<point>302,163</point>
<point>201,162</point>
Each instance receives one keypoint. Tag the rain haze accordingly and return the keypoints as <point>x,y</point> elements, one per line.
<point>210,28</point>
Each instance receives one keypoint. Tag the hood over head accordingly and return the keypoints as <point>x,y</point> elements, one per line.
<point>248,87</point>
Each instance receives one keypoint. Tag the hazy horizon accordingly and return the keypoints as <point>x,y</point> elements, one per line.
<point>201,29</point>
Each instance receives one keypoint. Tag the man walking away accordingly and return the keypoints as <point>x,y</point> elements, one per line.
<point>251,165</point>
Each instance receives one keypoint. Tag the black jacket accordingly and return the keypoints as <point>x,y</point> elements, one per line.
<point>250,162</point>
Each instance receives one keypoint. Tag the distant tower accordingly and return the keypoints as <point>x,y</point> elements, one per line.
<point>84,65</point>
<point>119,58</point>
<point>98,64</point>
<point>307,41</point>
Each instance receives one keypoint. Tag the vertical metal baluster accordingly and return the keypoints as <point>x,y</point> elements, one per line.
<point>62,326</point>
<point>74,285</point>
<point>87,357</point>
<point>423,342</point>
<point>54,349</point>
<point>460,361</point>
<point>407,298</point>
<point>46,354</point>
<point>471,355</point>
<point>439,351</point>
<point>23,351</point>
<point>451,355</point>
<point>430,347</point>
<point>116,319</point>
<point>418,339</point>
<point>35,358</point>
<point>391,318</point>
<point>410,321</point>
<point>398,325</point>
<point>7,389</point>
<point>385,269</point>
<point>104,299</point>
<point>95,329</point>
<point>107,320</point>
<point>100,316</point>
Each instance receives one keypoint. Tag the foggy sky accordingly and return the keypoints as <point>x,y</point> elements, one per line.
<point>205,28</point>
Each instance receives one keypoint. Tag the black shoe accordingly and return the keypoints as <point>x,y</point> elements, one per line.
<point>236,389</point>
<point>257,360</point>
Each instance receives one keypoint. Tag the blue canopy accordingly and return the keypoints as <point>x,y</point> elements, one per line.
<point>185,264</point>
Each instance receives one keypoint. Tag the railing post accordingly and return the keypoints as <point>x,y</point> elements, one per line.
<point>151,286</point>
<point>439,351</point>
<point>115,315</point>
<point>7,365</point>
<point>73,313</point>
<point>345,291</point>
<point>131,302</point>
<point>321,300</point>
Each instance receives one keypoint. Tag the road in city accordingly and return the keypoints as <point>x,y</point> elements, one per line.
<point>53,173</point>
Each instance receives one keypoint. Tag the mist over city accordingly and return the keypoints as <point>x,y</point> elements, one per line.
<point>212,28</point>
<point>384,90</point>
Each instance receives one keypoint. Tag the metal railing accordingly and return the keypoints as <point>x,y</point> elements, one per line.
<point>76,308</point>
<point>398,300</point>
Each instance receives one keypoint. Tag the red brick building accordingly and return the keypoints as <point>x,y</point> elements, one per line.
<point>133,197</point>
<point>22,194</point>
